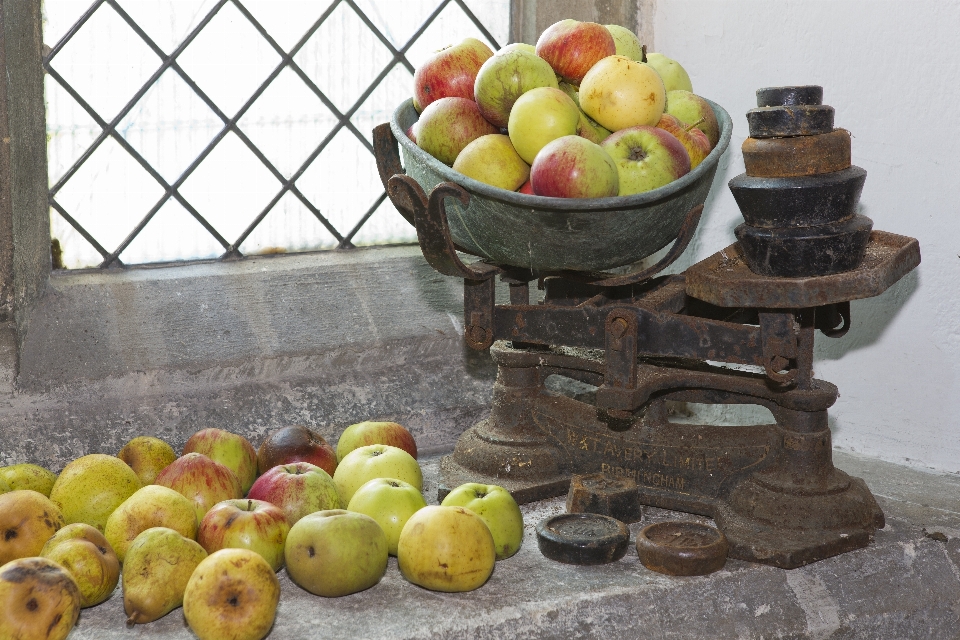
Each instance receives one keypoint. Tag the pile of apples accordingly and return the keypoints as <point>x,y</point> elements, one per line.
<point>210,529</point>
<point>586,113</point>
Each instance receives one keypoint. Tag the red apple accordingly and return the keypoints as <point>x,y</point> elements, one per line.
<point>450,124</point>
<point>363,433</point>
<point>647,158</point>
<point>202,480</point>
<point>526,187</point>
<point>246,524</point>
<point>692,139</point>
<point>572,47</point>
<point>449,72</point>
<point>298,488</point>
<point>690,108</point>
<point>229,449</point>
<point>296,444</point>
<point>574,167</point>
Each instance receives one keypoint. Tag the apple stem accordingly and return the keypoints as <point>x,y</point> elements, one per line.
<point>701,120</point>
<point>249,505</point>
<point>643,53</point>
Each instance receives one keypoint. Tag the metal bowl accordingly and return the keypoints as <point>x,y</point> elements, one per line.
<point>556,234</point>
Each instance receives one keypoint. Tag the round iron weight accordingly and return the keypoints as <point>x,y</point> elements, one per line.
<point>682,548</point>
<point>791,120</point>
<point>583,538</point>
<point>782,96</point>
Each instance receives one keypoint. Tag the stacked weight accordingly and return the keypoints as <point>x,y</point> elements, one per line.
<point>799,194</point>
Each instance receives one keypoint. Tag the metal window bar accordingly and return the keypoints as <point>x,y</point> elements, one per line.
<point>109,129</point>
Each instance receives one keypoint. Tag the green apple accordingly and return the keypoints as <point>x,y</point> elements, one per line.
<point>492,160</point>
<point>27,520</point>
<point>38,598</point>
<point>91,487</point>
<point>516,46</point>
<point>586,126</point>
<point>151,506</point>
<point>85,553</point>
<point>27,476</point>
<point>232,593</point>
<point>375,461</point>
<point>229,449</point>
<point>674,76</point>
<point>336,552</point>
<point>626,41</point>
<point>376,432</point>
<point>689,108</point>
<point>390,502</point>
<point>540,116</point>
<point>619,93</point>
<point>4,487</point>
<point>147,456</point>
<point>647,158</point>
<point>504,78</point>
<point>498,510</point>
<point>246,524</point>
<point>446,549</point>
<point>158,566</point>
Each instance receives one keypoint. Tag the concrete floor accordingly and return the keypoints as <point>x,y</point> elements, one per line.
<point>906,584</point>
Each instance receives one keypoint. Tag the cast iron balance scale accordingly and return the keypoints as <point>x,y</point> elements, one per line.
<point>644,339</point>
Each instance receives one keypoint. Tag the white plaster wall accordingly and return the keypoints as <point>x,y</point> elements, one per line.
<point>891,69</point>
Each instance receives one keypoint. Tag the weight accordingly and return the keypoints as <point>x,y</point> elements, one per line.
<point>797,156</point>
<point>803,201</point>
<point>606,495</point>
<point>583,538</point>
<point>793,120</point>
<point>682,548</point>
<point>805,251</point>
<point>781,96</point>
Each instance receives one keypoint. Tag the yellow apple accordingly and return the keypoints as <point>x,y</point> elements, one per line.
<point>540,116</point>
<point>492,160</point>
<point>620,93</point>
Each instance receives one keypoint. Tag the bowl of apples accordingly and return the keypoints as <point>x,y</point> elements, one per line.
<point>564,216</point>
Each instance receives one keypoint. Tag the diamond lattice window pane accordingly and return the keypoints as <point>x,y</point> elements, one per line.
<point>494,15</point>
<point>171,234</point>
<point>170,126</point>
<point>109,195</point>
<point>342,182</point>
<point>230,187</point>
<point>229,60</point>
<point>395,88</point>
<point>450,27</point>
<point>385,226</point>
<point>106,48</point>
<point>360,57</point>
<point>290,226</point>
<point>70,130</point>
<point>288,122</point>
<point>287,21</point>
<point>398,26</point>
<point>59,16</point>
<point>168,22</point>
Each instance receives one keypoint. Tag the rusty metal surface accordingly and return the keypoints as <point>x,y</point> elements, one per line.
<point>725,280</point>
<point>797,156</point>
<point>604,494</point>
<point>682,548</point>
<point>583,538</point>
<point>790,120</point>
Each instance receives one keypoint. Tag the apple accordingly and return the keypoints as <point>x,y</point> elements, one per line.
<point>572,47</point>
<point>202,480</point>
<point>372,432</point>
<point>147,456</point>
<point>27,476</point>
<point>412,132</point>
<point>158,566</point>
<point>91,487</point>
<point>85,553</point>
<point>626,41</point>
<point>498,510</point>
<point>446,549</point>
<point>490,159</point>
<point>586,126</point>
<point>38,598</point>
<point>689,108</point>
<point>295,444</point>
<point>647,158</point>
<point>619,93</point>
<point>450,124</point>
<point>232,593</point>
<point>390,502</point>
<point>526,187</point>
<point>540,116</point>
<point>449,72</point>
<point>692,139</point>
<point>229,449</point>
<point>516,46</point>
<point>375,461</point>
<point>152,506</point>
<point>27,520</point>
<point>504,78</point>
<point>246,524</point>
<point>335,553</point>
<point>298,488</point>
<point>674,76</point>
<point>574,167</point>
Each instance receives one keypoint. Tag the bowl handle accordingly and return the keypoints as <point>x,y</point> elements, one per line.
<point>387,153</point>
